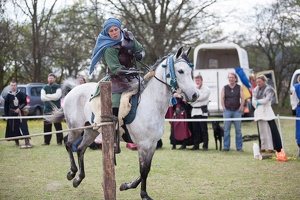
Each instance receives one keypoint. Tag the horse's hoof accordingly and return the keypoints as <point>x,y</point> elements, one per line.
<point>124,187</point>
<point>76,182</point>
<point>70,175</point>
<point>145,196</point>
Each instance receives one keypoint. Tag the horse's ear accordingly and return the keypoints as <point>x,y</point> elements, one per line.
<point>187,52</point>
<point>179,52</point>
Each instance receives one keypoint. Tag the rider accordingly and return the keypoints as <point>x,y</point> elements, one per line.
<point>118,50</point>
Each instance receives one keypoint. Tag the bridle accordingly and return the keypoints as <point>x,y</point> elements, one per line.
<point>170,64</point>
<point>170,74</point>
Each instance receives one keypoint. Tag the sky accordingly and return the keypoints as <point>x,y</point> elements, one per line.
<point>237,10</point>
<point>240,13</point>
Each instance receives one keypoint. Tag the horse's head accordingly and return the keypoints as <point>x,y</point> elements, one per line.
<point>183,75</point>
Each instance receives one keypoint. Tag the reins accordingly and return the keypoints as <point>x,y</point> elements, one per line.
<point>170,63</point>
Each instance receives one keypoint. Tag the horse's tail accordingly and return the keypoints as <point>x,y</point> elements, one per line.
<point>68,85</point>
<point>56,116</point>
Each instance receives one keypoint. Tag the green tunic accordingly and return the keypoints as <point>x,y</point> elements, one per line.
<point>110,59</point>
<point>51,89</point>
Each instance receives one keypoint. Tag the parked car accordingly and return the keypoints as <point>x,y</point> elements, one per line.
<point>33,98</point>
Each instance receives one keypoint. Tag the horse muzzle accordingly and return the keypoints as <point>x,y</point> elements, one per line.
<point>195,96</point>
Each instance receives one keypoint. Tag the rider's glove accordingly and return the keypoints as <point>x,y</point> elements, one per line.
<point>138,56</point>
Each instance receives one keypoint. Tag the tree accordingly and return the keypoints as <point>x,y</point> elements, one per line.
<point>39,44</point>
<point>278,39</point>
<point>162,26</point>
<point>76,29</point>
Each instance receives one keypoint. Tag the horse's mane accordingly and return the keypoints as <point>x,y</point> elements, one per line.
<point>183,56</point>
<point>158,62</point>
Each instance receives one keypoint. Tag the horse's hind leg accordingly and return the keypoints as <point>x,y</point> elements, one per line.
<point>68,144</point>
<point>88,138</point>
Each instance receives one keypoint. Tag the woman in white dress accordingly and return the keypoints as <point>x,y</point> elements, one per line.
<point>264,115</point>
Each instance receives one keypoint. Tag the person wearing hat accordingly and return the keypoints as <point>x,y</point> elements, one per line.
<point>51,95</point>
<point>200,111</point>
<point>118,49</point>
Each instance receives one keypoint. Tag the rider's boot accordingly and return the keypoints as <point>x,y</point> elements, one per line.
<point>117,148</point>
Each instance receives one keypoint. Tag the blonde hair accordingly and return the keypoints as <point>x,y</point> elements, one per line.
<point>262,77</point>
<point>298,78</point>
<point>235,76</point>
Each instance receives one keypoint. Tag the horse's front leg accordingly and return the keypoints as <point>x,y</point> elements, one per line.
<point>133,184</point>
<point>145,166</point>
<point>73,169</point>
<point>145,158</point>
<point>88,138</point>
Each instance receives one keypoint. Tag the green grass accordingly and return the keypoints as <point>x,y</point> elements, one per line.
<point>40,172</point>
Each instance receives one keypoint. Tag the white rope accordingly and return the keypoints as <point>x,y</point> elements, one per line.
<point>168,120</point>
<point>232,119</point>
<point>54,132</point>
<point>184,120</point>
<point>24,117</point>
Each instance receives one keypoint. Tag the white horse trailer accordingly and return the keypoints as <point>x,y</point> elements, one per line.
<point>214,61</point>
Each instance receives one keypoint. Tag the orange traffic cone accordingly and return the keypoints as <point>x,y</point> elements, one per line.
<point>281,157</point>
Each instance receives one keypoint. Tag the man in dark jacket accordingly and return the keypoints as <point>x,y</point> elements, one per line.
<point>15,101</point>
<point>51,95</point>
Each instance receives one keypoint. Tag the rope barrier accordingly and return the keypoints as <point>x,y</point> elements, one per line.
<point>54,132</point>
<point>232,119</point>
<point>182,120</point>
<point>168,120</point>
<point>24,117</point>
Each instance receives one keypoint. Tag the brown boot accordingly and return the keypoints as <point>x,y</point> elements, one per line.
<point>27,143</point>
<point>17,143</point>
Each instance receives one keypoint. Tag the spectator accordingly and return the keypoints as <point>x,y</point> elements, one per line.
<point>81,80</point>
<point>200,111</point>
<point>232,100</point>
<point>180,132</point>
<point>264,115</point>
<point>15,101</point>
<point>296,106</point>
<point>51,95</point>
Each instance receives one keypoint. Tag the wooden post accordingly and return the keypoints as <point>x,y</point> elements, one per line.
<point>109,182</point>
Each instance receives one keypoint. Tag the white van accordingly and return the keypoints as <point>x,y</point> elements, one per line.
<point>214,61</point>
<point>293,82</point>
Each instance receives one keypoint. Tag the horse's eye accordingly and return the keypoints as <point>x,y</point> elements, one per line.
<point>180,71</point>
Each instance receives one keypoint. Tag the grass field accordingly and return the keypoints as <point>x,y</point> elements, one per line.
<point>40,172</point>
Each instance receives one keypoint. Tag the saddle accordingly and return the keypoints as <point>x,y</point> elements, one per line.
<point>128,104</point>
<point>127,109</point>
